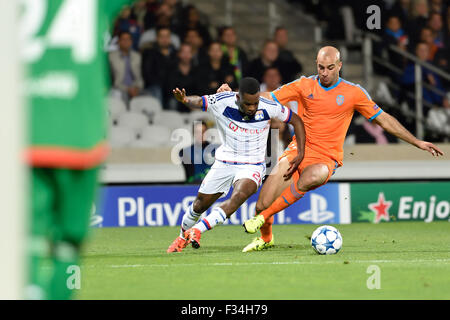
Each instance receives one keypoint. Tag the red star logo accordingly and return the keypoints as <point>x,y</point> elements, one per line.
<point>381,208</point>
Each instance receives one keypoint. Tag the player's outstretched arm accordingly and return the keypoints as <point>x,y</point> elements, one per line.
<point>224,88</point>
<point>299,129</point>
<point>193,102</point>
<point>391,125</point>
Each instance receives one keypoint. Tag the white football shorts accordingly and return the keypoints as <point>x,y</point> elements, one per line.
<point>223,175</point>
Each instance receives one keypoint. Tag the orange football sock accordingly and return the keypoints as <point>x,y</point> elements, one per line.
<point>290,195</point>
<point>266,230</point>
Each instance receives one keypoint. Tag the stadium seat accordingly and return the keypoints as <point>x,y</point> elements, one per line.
<point>116,107</point>
<point>133,120</point>
<point>146,104</point>
<point>170,119</point>
<point>201,115</point>
<point>111,121</point>
<point>155,135</point>
<point>186,118</point>
<point>121,137</point>
<point>141,143</point>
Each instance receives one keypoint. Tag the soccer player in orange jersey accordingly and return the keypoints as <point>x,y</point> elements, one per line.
<point>326,104</point>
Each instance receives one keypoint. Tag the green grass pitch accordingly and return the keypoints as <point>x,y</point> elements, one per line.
<point>132,263</point>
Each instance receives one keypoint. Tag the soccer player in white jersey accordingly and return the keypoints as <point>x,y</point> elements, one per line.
<point>243,120</point>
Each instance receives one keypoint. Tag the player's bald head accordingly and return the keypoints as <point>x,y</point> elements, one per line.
<point>329,53</point>
<point>328,65</point>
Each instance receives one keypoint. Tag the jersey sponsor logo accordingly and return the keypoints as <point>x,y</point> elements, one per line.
<point>233,126</point>
<point>236,128</point>
<point>340,100</point>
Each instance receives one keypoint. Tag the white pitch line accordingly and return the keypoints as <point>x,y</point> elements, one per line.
<point>267,263</point>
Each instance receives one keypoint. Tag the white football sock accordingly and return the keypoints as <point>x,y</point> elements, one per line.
<point>216,217</point>
<point>189,219</point>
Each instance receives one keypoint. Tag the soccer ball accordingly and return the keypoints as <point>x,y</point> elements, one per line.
<point>326,240</point>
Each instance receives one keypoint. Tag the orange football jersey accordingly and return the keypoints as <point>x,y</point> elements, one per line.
<point>327,112</point>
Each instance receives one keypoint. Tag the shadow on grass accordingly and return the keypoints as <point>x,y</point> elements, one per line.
<point>226,251</point>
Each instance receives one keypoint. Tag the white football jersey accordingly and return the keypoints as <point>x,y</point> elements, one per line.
<point>244,139</point>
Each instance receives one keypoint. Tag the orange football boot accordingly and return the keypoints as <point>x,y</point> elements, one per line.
<point>177,245</point>
<point>193,236</point>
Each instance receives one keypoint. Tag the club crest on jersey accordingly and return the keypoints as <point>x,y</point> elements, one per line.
<point>340,100</point>
<point>259,115</point>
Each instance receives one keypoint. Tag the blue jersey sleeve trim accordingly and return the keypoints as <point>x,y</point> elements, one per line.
<point>375,115</point>
<point>365,92</point>
<point>273,103</point>
<point>205,104</point>
<point>289,117</point>
<point>274,98</point>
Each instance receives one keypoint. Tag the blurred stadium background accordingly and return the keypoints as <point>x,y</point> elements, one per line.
<point>199,44</point>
